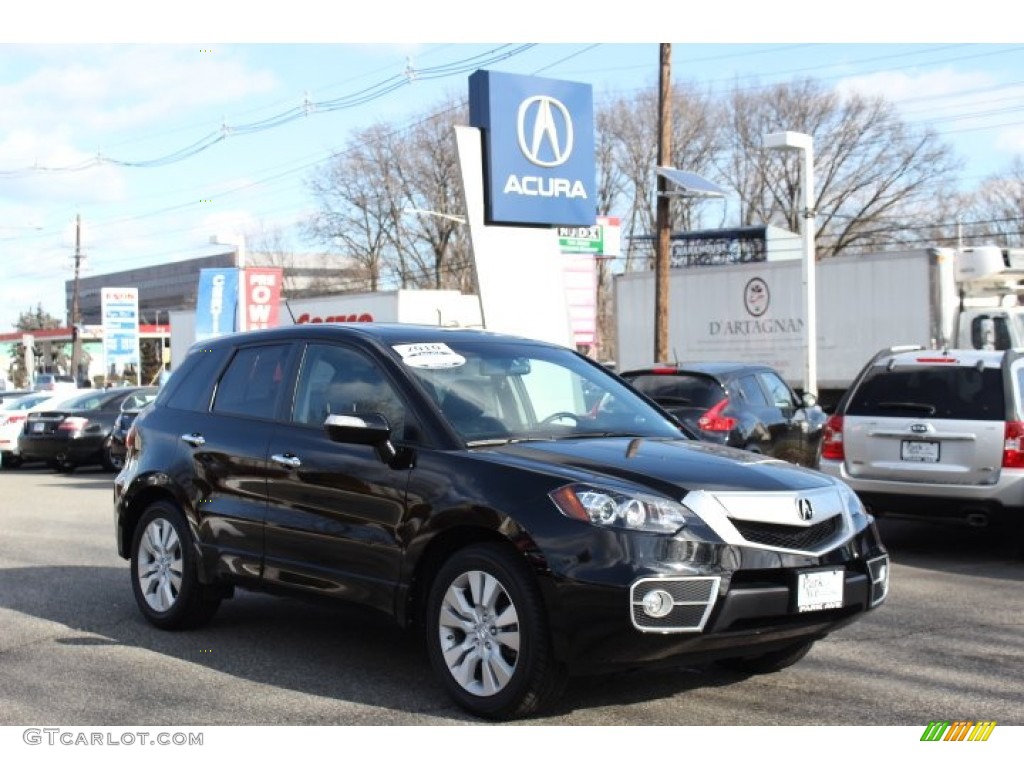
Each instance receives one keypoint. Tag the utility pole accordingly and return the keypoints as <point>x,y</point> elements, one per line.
<point>663,250</point>
<point>76,318</point>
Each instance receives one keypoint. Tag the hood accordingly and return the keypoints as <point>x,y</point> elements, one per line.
<point>672,467</point>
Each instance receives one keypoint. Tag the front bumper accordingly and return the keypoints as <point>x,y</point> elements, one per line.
<point>735,601</point>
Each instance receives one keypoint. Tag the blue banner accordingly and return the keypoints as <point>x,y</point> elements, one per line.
<point>539,157</point>
<point>216,302</point>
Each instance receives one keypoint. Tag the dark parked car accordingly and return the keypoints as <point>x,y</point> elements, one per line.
<point>738,404</point>
<point>79,432</point>
<point>526,508</point>
<point>116,448</point>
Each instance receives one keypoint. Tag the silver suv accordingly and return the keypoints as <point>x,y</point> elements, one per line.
<point>934,434</point>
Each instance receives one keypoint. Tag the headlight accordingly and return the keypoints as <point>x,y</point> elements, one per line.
<point>617,509</point>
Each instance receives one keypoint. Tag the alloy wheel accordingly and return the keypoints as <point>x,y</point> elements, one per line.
<point>160,565</point>
<point>479,632</point>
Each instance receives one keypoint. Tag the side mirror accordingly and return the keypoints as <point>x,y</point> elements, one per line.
<point>362,429</point>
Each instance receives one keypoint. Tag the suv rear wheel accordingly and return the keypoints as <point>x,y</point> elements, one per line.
<point>164,577</point>
<point>487,637</point>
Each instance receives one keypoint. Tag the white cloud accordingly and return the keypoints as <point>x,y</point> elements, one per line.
<point>1011,140</point>
<point>129,102</point>
<point>901,87</point>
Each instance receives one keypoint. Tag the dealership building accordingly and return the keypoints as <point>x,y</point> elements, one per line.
<point>170,287</point>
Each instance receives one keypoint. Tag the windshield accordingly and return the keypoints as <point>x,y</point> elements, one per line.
<point>500,392</point>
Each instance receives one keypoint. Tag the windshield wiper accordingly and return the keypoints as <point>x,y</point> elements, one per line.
<point>489,441</point>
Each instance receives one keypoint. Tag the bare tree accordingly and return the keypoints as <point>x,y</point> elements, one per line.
<point>627,141</point>
<point>356,213</point>
<point>873,175</point>
<point>431,236</point>
<point>996,212</point>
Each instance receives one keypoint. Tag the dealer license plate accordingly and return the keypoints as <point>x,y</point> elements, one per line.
<point>819,590</point>
<point>919,450</point>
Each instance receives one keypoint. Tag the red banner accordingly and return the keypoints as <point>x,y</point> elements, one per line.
<point>262,297</point>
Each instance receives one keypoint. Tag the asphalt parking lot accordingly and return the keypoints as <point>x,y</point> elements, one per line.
<point>75,650</point>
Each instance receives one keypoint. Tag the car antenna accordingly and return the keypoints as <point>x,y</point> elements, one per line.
<point>290,313</point>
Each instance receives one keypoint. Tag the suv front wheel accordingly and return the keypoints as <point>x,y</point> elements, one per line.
<point>164,578</point>
<point>487,636</point>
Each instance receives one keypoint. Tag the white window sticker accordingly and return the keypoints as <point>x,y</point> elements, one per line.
<point>429,355</point>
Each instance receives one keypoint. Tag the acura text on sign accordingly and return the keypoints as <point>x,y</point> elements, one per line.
<point>538,148</point>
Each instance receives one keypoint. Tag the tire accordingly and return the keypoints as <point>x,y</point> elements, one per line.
<point>111,462</point>
<point>766,663</point>
<point>164,575</point>
<point>62,464</point>
<point>11,460</point>
<point>487,635</point>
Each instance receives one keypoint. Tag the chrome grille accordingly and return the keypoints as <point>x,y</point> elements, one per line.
<point>806,538</point>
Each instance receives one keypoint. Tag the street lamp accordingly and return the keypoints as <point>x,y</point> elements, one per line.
<point>438,214</point>
<point>788,140</point>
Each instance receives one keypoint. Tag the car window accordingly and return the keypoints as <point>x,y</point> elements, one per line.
<point>751,392</point>
<point>138,400</point>
<point>191,387</point>
<point>26,402</point>
<point>88,401</point>
<point>779,391</point>
<point>253,382</point>
<point>1000,329</point>
<point>954,392</point>
<point>680,389</point>
<point>336,379</point>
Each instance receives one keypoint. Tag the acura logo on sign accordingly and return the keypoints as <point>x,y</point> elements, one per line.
<point>545,131</point>
<point>804,509</point>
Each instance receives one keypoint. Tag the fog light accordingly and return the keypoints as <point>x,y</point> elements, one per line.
<point>657,603</point>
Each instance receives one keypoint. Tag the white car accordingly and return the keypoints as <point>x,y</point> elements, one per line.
<point>54,382</point>
<point>13,414</point>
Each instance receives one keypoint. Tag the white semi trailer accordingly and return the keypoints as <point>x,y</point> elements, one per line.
<point>755,311</point>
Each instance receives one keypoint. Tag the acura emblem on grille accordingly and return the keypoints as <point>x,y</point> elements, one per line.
<point>804,509</point>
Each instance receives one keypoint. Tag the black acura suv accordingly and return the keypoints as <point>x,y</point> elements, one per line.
<point>533,513</point>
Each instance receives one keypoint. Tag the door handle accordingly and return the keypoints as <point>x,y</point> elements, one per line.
<point>287,460</point>
<point>194,439</point>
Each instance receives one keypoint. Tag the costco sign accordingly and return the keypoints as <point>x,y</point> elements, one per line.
<point>362,317</point>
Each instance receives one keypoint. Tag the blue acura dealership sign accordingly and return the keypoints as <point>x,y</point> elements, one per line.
<point>538,148</point>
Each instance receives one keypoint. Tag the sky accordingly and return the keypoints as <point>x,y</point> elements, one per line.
<point>164,126</point>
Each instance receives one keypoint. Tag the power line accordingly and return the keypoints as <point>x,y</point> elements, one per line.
<point>349,101</point>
